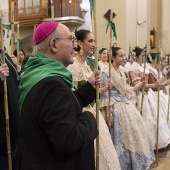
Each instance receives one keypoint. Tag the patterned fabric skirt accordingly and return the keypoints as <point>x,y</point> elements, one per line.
<point>130,138</point>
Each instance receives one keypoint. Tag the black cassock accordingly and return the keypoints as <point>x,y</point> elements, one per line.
<point>57,135</point>
<point>13,108</point>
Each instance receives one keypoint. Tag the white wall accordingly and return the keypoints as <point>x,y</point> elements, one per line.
<point>165,26</point>
<point>131,26</point>
<point>137,35</point>
<point>87,18</point>
<point>128,12</point>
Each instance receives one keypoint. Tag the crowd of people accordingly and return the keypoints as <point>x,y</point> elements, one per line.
<point>51,102</point>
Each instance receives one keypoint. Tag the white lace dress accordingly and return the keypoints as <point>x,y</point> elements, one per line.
<point>149,105</point>
<point>104,67</point>
<point>108,159</point>
<point>130,136</point>
<point>164,131</point>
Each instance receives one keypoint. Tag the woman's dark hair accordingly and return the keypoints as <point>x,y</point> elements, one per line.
<point>138,51</point>
<point>101,50</point>
<point>81,35</point>
<point>25,60</point>
<point>114,51</point>
<point>15,52</point>
<point>151,57</point>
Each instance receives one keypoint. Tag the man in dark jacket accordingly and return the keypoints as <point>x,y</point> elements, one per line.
<point>8,70</point>
<point>58,132</point>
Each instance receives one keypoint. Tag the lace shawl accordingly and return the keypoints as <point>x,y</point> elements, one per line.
<point>77,71</point>
<point>119,84</point>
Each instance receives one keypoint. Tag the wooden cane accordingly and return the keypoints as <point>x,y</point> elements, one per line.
<point>110,56</point>
<point>52,12</point>
<point>143,88</point>
<point>97,86</point>
<point>158,106</point>
<point>18,43</point>
<point>12,27</point>
<point>6,102</point>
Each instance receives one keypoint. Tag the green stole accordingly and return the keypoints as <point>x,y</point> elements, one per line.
<point>38,68</point>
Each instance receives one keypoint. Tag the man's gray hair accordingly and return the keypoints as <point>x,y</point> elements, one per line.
<point>41,48</point>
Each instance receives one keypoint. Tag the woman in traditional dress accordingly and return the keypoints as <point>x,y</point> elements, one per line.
<point>164,131</point>
<point>108,159</point>
<point>166,71</point>
<point>149,107</point>
<point>104,65</point>
<point>130,136</point>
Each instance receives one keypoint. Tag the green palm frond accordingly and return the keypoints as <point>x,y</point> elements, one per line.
<point>113,27</point>
<point>20,44</point>
<point>168,59</point>
<point>158,56</point>
<point>91,6</point>
<point>130,50</point>
<point>145,53</point>
<point>9,28</point>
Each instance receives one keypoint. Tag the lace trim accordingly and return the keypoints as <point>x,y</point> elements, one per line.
<point>105,102</point>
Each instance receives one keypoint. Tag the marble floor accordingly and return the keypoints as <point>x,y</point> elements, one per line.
<point>164,160</point>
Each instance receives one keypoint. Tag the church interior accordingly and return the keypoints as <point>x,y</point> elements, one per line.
<point>136,23</point>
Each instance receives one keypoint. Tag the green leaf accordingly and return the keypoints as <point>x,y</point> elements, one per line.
<point>158,57</point>
<point>113,27</point>
<point>107,26</point>
<point>20,44</point>
<point>91,6</point>
<point>9,28</point>
<point>130,50</point>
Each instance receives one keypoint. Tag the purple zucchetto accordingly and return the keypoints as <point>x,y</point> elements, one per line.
<point>43,30</point>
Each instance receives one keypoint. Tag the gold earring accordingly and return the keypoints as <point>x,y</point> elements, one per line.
<point>114,64</point>
<point>81,51</point>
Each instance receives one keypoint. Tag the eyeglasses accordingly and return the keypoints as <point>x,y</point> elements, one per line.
<point>70,38</point>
